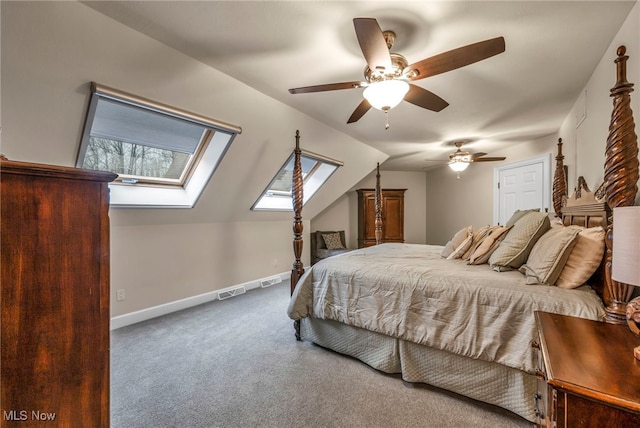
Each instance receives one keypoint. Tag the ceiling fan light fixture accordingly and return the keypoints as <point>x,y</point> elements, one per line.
<point>458,165</point>
<point>386,94</point>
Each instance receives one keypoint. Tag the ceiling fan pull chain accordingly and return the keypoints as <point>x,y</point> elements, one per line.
<point>386,118</point>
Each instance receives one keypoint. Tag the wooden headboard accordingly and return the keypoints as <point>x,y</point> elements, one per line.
<point>618,189</point>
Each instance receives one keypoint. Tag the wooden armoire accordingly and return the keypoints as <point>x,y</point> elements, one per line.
<point>54,296</point>
<point>392,216</point>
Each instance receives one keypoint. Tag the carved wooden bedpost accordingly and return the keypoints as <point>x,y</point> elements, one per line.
<point>296,195</point>
<point>620,177</point>
<point>559,182</point>
<point>378,206</point>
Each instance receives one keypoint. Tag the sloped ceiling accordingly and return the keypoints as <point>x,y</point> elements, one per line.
<point>51,51</point>
<point>552,48</point>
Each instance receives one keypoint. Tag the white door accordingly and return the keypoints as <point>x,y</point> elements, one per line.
<point>520,186</point>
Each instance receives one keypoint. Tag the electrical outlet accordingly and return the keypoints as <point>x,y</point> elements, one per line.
<point>120,295</point>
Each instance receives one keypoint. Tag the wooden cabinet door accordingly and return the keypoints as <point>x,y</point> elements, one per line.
<point>392,216</point>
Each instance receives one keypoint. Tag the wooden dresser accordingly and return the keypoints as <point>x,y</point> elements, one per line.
<point>54,296</point>
<point>592,378</point>
<point>392,216</point>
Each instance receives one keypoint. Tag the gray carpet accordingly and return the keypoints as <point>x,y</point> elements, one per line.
<point>236,363</point>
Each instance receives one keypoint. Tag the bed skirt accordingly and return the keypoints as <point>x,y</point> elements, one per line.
<point>491,383</point>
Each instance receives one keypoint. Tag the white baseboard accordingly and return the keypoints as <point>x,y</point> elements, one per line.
<point>167,308</point>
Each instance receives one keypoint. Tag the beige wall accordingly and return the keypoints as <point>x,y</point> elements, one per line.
<point>50,53</point>
<point>164,263</point>
<point>343,214</point>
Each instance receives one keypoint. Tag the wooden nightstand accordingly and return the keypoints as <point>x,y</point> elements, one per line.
<point>592,378</point>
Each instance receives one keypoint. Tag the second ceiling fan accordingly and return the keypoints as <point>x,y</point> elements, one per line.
<point>388,75</point>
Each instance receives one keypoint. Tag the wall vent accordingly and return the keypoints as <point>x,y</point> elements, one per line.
<point>270,281</point>
<point>232,292</point>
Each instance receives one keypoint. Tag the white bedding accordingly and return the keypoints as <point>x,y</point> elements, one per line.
<point>408,291</point>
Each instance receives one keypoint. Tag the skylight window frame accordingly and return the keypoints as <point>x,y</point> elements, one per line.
<point>128,191</point>
<point>308,179</point>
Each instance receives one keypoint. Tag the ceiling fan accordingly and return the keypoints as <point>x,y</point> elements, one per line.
<point>388,75</point>
<point>460,160</point>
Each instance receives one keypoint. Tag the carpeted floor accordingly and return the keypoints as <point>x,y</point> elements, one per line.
<point>236,363</point>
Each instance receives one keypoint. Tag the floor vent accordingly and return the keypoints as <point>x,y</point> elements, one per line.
<point>236,291</point>
<point>270,281</point>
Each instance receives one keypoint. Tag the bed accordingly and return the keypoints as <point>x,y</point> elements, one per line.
<point>469,328</point>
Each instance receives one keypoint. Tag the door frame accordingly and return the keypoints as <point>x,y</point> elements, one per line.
<point>546,181</point>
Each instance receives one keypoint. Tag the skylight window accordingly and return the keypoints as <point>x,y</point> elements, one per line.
<point>163,156</point>
<point>316,170</point>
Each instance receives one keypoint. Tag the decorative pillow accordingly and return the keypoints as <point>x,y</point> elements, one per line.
<point>549,255</point>
<point>488,245</point>
<point>476,240</point>
<point>460,238</point>
<point>584,259</point>
<point>462,248</point>
<point>332,241</point>
<point>516,246</point>
<point>518,214</point>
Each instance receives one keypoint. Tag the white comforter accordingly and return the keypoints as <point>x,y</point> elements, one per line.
<point>408,291</point>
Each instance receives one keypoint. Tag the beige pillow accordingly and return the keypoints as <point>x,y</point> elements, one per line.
<point>462,248</point>
<point>478,236</point>
<point>516,246</point>
<point>518,214</point>
<point>458,239</point>
<point>549,255</point>
<point>584,259</point>
<point>488,245</point>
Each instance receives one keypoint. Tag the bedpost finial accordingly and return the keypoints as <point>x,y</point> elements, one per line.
<point>560,155</point>
<point>621,50</point>
<point>297,139</point>
<point>622,85</point>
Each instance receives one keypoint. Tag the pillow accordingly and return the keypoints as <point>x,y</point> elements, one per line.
<point>476,240</point>
<point>518,214</point>
<point>332,241</point>
<point>549,255</point>
<point>584,259</point>
<point>516,246</point>
<point>487,246</point>
<point>458,239</point>
<point>462,248</point>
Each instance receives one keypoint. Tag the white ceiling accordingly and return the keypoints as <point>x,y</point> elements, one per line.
<point>524,93</point>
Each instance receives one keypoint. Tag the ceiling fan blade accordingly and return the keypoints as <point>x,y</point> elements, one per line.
<point>490,159</point>
<point>455,58</point>
<point>362,108</point>
<point>372,43</point>
<point>425,99</point>
<point>326,87</point>
<point>477,155</point>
